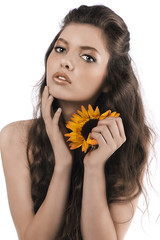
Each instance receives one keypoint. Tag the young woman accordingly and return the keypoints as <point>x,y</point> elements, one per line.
<point>56,192</point>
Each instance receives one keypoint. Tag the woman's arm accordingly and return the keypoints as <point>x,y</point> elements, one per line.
<point>98,220</point>
<point>46,222</point>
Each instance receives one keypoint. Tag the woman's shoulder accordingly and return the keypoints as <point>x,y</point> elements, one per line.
<point>15,134</point>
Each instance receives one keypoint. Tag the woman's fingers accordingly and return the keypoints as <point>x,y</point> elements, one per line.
<point>111,132</point>
<point>61,151</point>
<point>102,134</point>
<point>115,125</point>
<point>45,95</point>
<point>105,140</point>
<point>121,128</point>
<point>57,116</point>
<point>46,104</point>
<point>44,100</point>
<point>47,110</point>
<point>112,126</point>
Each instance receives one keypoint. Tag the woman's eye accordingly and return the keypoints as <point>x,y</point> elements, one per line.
<point>59,49</point>
<point>88,58</point>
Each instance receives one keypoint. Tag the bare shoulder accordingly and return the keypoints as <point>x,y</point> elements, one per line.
<point>14,133</point>
<point>13,143</point>
<point>13,139</point>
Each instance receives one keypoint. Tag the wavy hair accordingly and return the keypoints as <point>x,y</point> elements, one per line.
<point>125,168</point>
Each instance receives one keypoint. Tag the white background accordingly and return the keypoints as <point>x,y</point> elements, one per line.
<point>27,28</point>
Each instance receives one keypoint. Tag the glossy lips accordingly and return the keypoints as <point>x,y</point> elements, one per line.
<point>61,77</point>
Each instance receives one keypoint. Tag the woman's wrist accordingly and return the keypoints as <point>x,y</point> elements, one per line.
<point>61,168</point>
<point>93,167</point>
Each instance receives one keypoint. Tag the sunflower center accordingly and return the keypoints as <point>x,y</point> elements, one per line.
<point>87,128</point>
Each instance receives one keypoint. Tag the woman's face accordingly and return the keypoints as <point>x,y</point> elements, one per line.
<point>80,55</point>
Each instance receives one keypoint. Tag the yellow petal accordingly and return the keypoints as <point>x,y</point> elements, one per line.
<point>83,115</point>
<point>112,114</point>
<point>84,146</point>
<point>73,126</point>
<point>84,111</point>
<point>117,115</point>
<point>91,111</point>
<point>76,118</point>
<point>73,134</point>
<point>104,115</point>
<point>97,112</point>
<point>91,141</point>
<point>74,146</point>
<point>67,134</point>
<point>76,139</point>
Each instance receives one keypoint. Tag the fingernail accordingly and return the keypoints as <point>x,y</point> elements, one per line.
<point>59,109</point>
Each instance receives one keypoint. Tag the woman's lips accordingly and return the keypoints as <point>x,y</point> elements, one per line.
<point>61,77</point>
<point>60,81</point>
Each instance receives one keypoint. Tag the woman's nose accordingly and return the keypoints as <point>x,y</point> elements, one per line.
<point>67,64</point>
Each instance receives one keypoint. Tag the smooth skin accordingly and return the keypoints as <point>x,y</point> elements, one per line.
<point>80,52</point>
<point>98,220</point>
<point>43,224</point>
<point>52,127</point>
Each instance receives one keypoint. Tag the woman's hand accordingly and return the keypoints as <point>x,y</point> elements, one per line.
<point>63,156</point>
<point>110,135</point>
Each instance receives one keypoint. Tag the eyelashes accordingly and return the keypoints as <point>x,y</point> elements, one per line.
<point>60,49</point>
<point>88,58</point>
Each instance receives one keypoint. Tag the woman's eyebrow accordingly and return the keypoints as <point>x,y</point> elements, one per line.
<point>63,40</point>
<point>82,47</point>
<point>89,48</point>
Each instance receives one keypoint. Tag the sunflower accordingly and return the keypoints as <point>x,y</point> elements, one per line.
<point>81,126</point>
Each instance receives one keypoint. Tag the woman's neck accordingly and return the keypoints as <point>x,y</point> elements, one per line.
<point>68,108</point>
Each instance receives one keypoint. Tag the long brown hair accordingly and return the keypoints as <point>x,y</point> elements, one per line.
<point>124,169</point>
